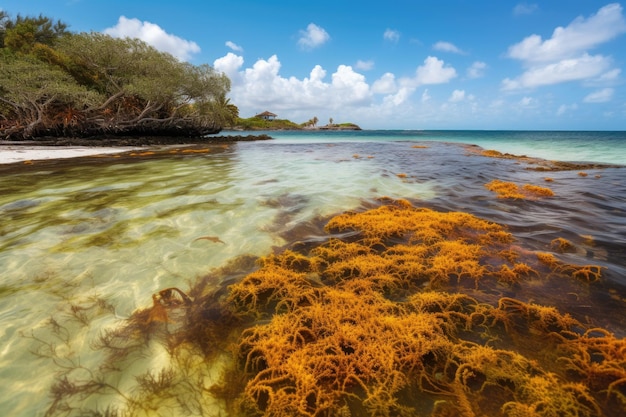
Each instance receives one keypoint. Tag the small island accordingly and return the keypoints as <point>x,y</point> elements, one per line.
<point>269,121</point>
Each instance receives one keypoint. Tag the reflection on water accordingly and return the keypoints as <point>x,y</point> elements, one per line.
<point>83,245</point>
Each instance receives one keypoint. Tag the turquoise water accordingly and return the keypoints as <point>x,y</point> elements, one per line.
<point>85,242</point>
<point>606,147</point>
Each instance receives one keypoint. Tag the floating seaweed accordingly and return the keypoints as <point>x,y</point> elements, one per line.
<point>372,341</point>
<point>511,190</point>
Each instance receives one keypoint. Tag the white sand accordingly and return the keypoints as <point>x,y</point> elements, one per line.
<point>10,154</point>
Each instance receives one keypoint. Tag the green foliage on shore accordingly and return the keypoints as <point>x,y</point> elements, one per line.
<point>257,123</point>
<point>57,83</point>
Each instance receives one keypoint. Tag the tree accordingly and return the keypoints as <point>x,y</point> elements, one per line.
<point>33,95</point>
<point>22,33</point>
<point>93,84</point>
<point>227,112</point>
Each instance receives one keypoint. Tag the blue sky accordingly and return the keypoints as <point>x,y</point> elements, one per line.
<point>446,64</point>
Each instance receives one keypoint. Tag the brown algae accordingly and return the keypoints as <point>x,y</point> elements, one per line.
<point>402,315</point>
<point>506,189</point>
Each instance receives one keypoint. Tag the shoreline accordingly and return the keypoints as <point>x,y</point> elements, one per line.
<point>65,148</point>
<point>50,149</point>
<point>12,154</point>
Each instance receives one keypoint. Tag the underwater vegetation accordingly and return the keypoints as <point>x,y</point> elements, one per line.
<point>402,311</point>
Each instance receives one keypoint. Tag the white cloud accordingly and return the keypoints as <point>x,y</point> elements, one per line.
<point>343,94</point>
<point>234,46</point>
<point>385,84</point>
<point>262,87</point>
<point>434,71</point>
<point>398,99</point>
<point>476,70</point>
<point>579,36</point>
<point>364,65</point>
<point>600,96</point>
<point>313,37</point>
<point>447,47</point>
<point>391,35</point>
<point>573,69</point>
<point>153,35</point>
<point>565,56</point>
<point>524,8</point>
<point>610,76</point>
<point>229,65</point>
<point>352,83</point>
<point>457,95</point>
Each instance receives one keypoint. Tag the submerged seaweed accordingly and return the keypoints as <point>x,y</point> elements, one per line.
<point>402,311</point>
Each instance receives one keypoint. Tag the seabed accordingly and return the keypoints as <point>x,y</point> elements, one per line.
<point>401,311</point>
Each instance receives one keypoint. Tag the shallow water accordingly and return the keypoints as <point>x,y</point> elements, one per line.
<point>86,242</point>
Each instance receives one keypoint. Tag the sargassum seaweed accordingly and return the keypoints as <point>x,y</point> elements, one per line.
<point>351,329</point>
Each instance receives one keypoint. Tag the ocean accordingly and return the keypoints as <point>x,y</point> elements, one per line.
<point>88,242</point>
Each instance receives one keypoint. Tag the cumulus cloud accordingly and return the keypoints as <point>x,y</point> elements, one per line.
<point>476,70</point>
<point>153,35</point>
<point>342,93</point>
<point>524,9</point>
<point>234,46</point>
<point>457,95</point>
<point>391,35</point>
<point>364,65</point>
<point>579,36</point>
<point>385,84</point>
<point>565,56</point>
<point>600,96</point>
<point>434,71</point>
<point>229,65</point>
<point>399,98</point>
<point>313,37</point>
<point>263,87</point>
<point>447,47</point>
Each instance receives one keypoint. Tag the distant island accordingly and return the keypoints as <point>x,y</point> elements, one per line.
<point>269,121</point>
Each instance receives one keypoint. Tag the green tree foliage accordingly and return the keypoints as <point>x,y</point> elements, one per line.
<point>226,111</point>
<point>57,84</point>
<point>312,122</point>
<point>34,95</point>
<point>22,33</point>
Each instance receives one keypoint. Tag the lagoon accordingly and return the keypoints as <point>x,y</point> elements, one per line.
<point>86,242</point>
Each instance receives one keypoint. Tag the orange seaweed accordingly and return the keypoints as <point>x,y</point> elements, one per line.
<point>538,191</point>
<point>368,323</point>
<point>511,190</point>
<point>351,330</point>
<point>562,245</point>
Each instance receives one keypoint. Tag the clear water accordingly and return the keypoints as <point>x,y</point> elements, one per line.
<point>606,147</point>
<point>85,242</point>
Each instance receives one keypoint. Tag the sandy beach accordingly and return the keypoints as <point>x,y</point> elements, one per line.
<point>10,154</point>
